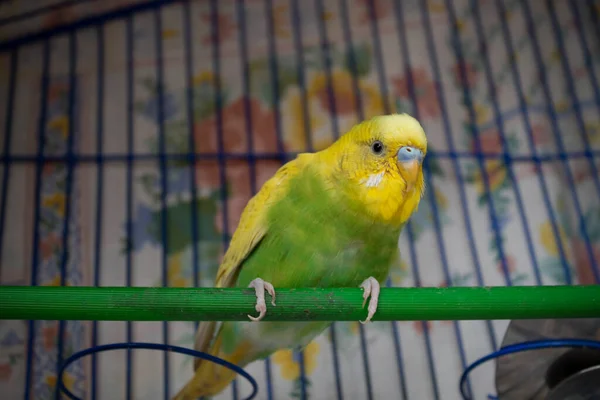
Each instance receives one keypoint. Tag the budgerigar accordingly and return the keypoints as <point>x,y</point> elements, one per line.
<point>326,219</point>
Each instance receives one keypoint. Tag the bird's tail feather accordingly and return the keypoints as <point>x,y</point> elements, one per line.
<point>209,378</point>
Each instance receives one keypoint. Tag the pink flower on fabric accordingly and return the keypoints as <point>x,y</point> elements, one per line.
<point>226,27</point>
<point>471,74</point>
<point>583,264</point>
<point>379,9</point>
<point>234,133</point>
<point>425,91</point>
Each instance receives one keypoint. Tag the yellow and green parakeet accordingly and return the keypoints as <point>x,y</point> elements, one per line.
<point>326,219</point>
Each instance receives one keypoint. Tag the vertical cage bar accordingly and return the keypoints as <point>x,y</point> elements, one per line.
<point>99,193</point>
<point>300,65</point>
<point>163,183</point>
<point>241,15</point>
<point>500,122</point>
<point>336,362</point>
<point>189,71</point>
<point>432,50</point>
<point>417,278</point>
<point>14,62</point>
<point>216,66</point>
<point>400,27</point>
<point>351,58</point>
<point>440,241</point>
<point>323,42</point>
<point>274,76</point>
<point>578,118</point>
<point>274,72</point>
<point>130,156</point>
<point>566,65</point>
<point>529,131</point>
<point>587,55</point>
<point>219,110</point>
<point>507,159</point>
<point>382,76</point>
<point>594,15</point>
<point>68,193</point>
<point>555,129</point>
<point>475,133</point>
<point>360,116</point>
<point>189,68</point>
<point>322,31</point>
<point>242,35</point>
<point>36,219</point>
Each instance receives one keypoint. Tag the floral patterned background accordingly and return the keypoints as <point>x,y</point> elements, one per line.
<point>283,85</point>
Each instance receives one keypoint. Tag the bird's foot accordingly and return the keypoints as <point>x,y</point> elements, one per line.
<point>371,288</point>
<point>259,287</point>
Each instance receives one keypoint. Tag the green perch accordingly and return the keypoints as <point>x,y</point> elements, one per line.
<point>306,304</point>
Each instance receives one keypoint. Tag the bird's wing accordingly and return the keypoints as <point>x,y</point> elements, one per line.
<point>251,229</point>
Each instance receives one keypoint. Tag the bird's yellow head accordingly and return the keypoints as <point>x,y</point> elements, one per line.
<point>382,161</point>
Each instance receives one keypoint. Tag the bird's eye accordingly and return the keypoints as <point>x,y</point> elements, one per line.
<point>377,147</point>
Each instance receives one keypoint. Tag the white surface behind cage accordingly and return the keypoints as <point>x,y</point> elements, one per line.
<point>440,120</point>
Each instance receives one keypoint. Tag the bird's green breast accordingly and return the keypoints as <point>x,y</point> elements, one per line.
<point>318,238</point>
<point>315,238</point>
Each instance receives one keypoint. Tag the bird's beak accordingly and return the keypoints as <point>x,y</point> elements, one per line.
<point>409,163</point>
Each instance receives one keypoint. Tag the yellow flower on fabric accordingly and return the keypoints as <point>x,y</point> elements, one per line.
<point>61,124</point>
<point>372,97</point>
<point>548,238</point>
<point>593,131</point>
<point>397,273</point>
<point>340,86</point>
<point>327,16</point>
<point>561,106</point>
<point>203,77</point>
<point>297,140</point>
<point>482,113</point>
<point>55,282</point>
<point>290,366</point>
<point>68,381</point>
<point>169,33</point>
<point>436,6</point>
<point>174,277</point>
<point>57,202</point>
<point>496,175</point>
<point>280,22</point>
<point>441,199</point>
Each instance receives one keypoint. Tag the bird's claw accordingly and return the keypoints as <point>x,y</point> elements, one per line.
<point>259,288</point>
<point>371,288</point>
